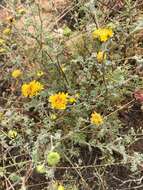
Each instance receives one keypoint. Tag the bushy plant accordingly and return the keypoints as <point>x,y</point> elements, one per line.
<point>61,94</point>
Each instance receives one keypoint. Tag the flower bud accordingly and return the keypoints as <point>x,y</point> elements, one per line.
<point>53,158</point>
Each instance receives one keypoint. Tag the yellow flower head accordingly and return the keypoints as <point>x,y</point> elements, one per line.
<point>61,187</point>
<point>7,31</point>
<point>12,134</point>
<point>59,101</point>
<point>96,119</point>
<point>103,34</point>
<point>31,89</point>
<point>101,56</point>
<point>2,42</point>
<point>16,73</point>
<point>40,73</point>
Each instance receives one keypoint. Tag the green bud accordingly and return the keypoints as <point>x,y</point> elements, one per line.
<point>53,158</point>
<point>40,169</point>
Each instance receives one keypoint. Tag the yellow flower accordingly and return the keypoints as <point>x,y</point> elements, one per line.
<point>2,42</point>
<point>12,134</point>
<point>59,101</point>
<point>96,119</point>
<point>16,73</point>
<point>101,56</point>
<point>40,73</point>
<point>72,100</point>
<point>103,34</point>
<point>7,31</point>
<point>26,91</point>
<point>31,89</point>
<point>61,187</point>
<point>2,50</point>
